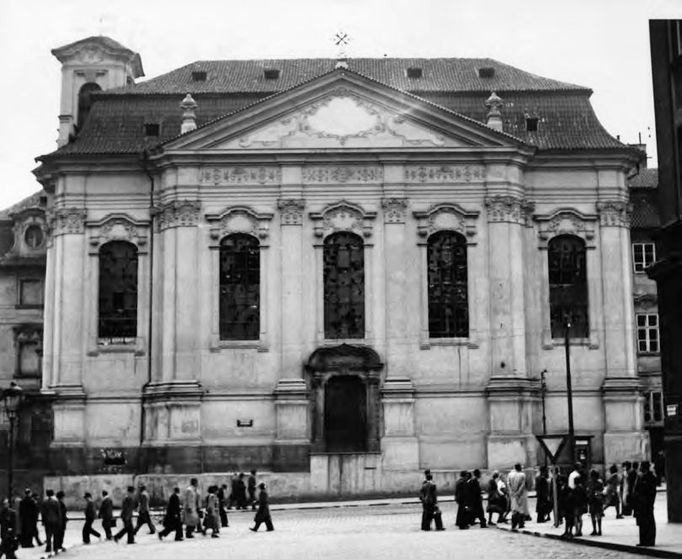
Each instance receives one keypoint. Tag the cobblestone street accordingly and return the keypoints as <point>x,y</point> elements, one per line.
<point>358,532</point>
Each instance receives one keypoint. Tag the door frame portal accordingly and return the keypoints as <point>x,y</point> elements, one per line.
<point>344,360</point>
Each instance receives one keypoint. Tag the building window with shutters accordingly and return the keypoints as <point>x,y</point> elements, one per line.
<point>447,285</point>
<point>239,315</point>
<point>568,286</point>
<point>647,333</point>
<point>118,263</point>
<point>643,255</point>
<point>344,286</point>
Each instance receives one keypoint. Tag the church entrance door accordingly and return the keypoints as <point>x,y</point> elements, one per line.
<point>345,414</point>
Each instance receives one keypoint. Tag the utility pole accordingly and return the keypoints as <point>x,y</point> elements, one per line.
<point>569,389</point>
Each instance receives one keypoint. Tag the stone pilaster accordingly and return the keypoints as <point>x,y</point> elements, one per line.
<point>624,436</point>
<point>395,287</point>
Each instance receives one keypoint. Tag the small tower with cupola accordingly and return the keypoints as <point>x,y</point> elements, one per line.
<point>91,65</point>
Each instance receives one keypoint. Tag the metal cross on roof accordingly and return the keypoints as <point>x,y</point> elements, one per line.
<point>341,40</point>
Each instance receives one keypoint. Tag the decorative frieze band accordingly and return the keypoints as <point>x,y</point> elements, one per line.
<point>64,221</point>
<point>343,174</point>
<point>223,176</point>
<point>177,213</point>
<point>509,209</point>
<point>444,173</point>
<point>614,213</point>
<point>394,209</point>
<point>291,211</point>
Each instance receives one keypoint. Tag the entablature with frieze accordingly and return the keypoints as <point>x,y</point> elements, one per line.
<point>228,175</point>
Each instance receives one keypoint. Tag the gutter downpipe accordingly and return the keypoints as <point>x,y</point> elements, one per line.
<point>144,156</point>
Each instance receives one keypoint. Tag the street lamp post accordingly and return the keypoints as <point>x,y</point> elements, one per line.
<point>11,399</point>
<point>569,389</point>
<point>543,392</point>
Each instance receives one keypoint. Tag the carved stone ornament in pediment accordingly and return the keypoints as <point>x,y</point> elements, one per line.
<point>614,213</point>
<point>291,211</point>
<point>342,118</point>
<point>394,209</point>
<point>447,217</point>
<point>509,209</point>
<point>566,221</point>
<point>68,221</point>
<point>118,227</point>
<point>239,219</point>
<point>177,213</point>
<point>343,216</point>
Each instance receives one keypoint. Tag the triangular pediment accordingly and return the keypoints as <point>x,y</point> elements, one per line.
<point>341,110</point>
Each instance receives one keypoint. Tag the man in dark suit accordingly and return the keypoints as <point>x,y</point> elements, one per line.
<point>63,519</point>
<point>143,516</point>
<point>473,497</point>
<point>106,513</point>
<point>90,515</point>
<point>251,486</point>
<point>643,497</point>
<point>263,512</point>
<point>8,530</point>
<point>28,516</point>
<point>430,503</point>
<point>51,520</point>
<point>127,509</point>
<point>172,522</point>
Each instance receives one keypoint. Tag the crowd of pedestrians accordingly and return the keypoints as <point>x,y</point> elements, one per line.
<point>630,490</point>
<point>187,512</point>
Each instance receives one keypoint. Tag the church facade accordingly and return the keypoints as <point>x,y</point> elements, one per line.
<point>337,271</point>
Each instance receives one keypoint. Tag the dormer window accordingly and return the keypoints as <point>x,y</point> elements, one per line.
<point>271,73</point>
<point>414,73</point>
<point>151,129</point>
<point>532,124</point>
<point>199,76</point>
<point>487,72</point>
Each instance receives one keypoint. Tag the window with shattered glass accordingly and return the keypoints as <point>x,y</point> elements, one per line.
<point>239,288</point>
<point>447,285</point>
<point>117,292</point>
<point>344,286</point>
<point>567,259</point>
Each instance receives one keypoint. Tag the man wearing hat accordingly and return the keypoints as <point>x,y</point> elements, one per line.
<point>263,512</point>
<point>28,517</point>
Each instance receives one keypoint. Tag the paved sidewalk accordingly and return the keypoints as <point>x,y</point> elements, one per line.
<point>618,534</point>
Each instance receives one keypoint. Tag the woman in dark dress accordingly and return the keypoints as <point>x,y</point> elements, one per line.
<point>263,512</point>
<point>595,496</point>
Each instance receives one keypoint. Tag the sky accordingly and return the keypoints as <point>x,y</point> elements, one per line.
<point>601,44</point>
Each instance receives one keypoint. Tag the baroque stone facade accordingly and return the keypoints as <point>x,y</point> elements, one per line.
<point>341,204</point>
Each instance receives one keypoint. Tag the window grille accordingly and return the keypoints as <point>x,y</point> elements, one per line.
<point>568,286</point>
<point>117,292</point>
<point>344,286</point>
<point>647,333</point>
<point>239,288</point>
<point>447,285</point>
<point>643,255</point>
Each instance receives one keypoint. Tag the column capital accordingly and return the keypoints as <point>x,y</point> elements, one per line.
<point>614,213</point>
<point>64,221</point>
<point>394,209</point>
<point>291,210</point>
<point>177,213</point>
<point>509,209</point>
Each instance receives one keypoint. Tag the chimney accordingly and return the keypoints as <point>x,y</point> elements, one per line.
<point>494,116</point>
<point>189,117</point>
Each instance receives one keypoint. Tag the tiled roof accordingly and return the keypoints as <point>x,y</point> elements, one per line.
<point>646,178</point>
<point>644,208</point>
<point>438,75</point>
<point>35,200</point>
<point>566,119</point>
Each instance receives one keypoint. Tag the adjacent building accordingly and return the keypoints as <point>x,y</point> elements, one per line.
<point>337,271</point>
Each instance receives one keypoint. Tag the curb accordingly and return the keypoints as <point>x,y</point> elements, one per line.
<point>646,551</point>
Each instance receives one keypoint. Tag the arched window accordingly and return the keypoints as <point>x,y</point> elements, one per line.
<point>568,286</point>
<point>447,277</point>
<point>239,288</point>
<point>118,290</point>
<point>85,101</point>
<point>344,286</point>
